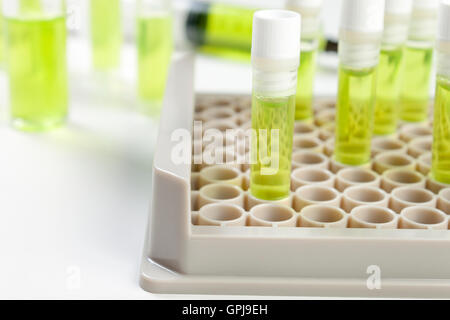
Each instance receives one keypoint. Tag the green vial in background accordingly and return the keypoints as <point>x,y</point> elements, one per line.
<point>273,105</point>
<point>106,33</point>
<point>220,29</point>
<point>37,68</point>
<point>396,23</point>
<point>305,84</point>
<point>310,38</point>
<point>2,37</point>
<point>354,121</point>
<point>359,48</point>
<point>440,166</point>
<point>30,6</point>
<point>154,53</point>
<point>415,95</point>
<point>388,90</point>
<point>418,59</point>
<point>440,169</point>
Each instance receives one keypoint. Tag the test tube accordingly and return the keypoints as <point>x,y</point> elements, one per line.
<point>2,36</point>
<point>359,48</point>
<point>106,33</point>
<point>155,41</point>
<point>418,57</point>
<point>30,6</point>
<point>440,168</point>
<point>37,66</point>
<point>310,37</point>
<point>219,28</point>
<point>396,23</point>
<point>275,60</point>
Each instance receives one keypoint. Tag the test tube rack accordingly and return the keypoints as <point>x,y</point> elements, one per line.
<point>263,255</point>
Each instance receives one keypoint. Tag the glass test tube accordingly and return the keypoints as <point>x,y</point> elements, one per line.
<point>311,33</point>
<point>359,46</point>
<point>106,33</point>
<point>418,58</point>
<point>155,44</point>
<point>218,28</point>
<point>275,60</point>
<point>2,36</point>
<point>37,66</point>
<point>396,22</point>
<point>30,6</point>
<point>440,168</point>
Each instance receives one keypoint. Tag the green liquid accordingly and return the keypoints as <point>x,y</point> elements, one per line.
<point>37,70</point>
<point>355,115</point>
<point>154,53</point>
<point>414,96</point>
<point>106,34</point>
<point>305,86</point>
<point>388,91</point>
<point>271,180</point>
<point>2,33</point>
<point>221,30</point>
<point>440,169</point>
<point>30,6</point>
<point>229,26</point>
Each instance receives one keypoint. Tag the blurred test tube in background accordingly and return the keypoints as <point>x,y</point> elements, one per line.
<point>418,61</point>
<point>155,45</point>
<point>217,28</point>
<point>311,32</point>
<point>30,6</point>
<point>2,40</point>
<point>35,38</point>
<point>106,33</point>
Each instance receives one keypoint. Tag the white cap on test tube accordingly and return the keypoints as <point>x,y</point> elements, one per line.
<point>276,35</point>
<point>425,4</point>
<point>363,16</point>
<point>399,7</point>
<point>444,21</point>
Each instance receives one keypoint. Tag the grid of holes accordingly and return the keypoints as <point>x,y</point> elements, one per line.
<point>402,160</point>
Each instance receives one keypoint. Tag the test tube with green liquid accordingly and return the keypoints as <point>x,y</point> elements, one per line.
<point>359,47</point>
<point>155,43</point>
<point>106,33</point>
<point>37,66</point>
<point>2,36</point>
<point>310,37</point>
<point>30,6</point>
<point>440,168</point>
<point>225,30</point>
<point>396,23</point>
<point>218,28</point>
<point>275,61</point>
<point>418,58</point>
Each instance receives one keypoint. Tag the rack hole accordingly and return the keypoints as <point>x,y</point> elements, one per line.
<point>373,215</point>
<point>322,214</point>
<point>365,194</point>
<point>272,213</point>
<point>412,195</point>
<point>220,192</point>
<point>423,215</point>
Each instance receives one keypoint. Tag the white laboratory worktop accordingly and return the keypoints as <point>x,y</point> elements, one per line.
<point>74,202</point>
